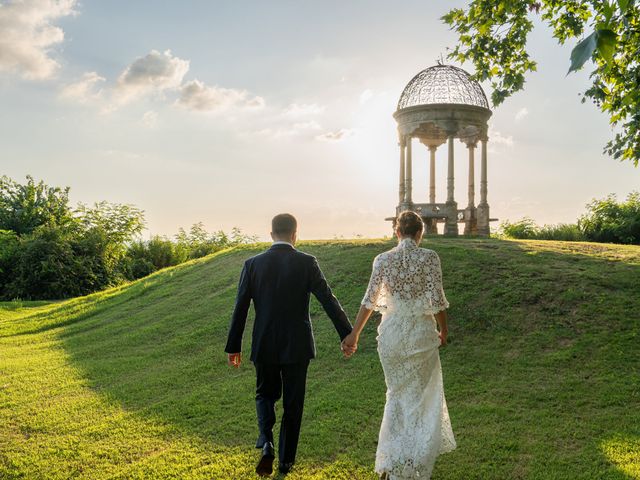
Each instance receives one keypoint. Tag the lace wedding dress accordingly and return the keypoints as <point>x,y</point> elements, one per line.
<point>406,287</point>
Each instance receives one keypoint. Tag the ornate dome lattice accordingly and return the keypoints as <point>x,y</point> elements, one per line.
<point>442,84</point>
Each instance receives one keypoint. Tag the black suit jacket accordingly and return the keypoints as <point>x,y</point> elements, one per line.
<point>280,281</point>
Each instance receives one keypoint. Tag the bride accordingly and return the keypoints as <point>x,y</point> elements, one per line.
<point>406,287</point>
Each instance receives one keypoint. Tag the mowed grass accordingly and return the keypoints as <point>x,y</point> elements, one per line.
<point>542,374</point>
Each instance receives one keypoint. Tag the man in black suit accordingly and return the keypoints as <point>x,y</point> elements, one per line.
<point>280,281</point>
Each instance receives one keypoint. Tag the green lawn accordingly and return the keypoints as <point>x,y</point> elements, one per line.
<point>542,374</point>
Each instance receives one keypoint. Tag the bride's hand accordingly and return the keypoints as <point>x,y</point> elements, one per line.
<point>443,337</point>
<point>349,345</point>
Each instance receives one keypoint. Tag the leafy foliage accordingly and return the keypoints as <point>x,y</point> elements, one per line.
<point>527,229</point>
<point>610,221</point>
<point>606,221</point>
<point>25,207</point>
<point>49,250</point>
<point>198,242</point>
<point>492,35</point>
<point>145,257</point>
<point>523,229</point>
<point>46,266</point>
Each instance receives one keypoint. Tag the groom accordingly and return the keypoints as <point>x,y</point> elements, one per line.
<point>280,281</point>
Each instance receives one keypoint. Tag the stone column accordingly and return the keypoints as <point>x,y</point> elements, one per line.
<point>432,173</point>
<point>451,224</point>
<point>472,147</point>
<point>402,179</point>
<point>409,179</point>
<point>470,224</point>
<point>483,174</point>
<point>450,171</point>
<point>483,206</point>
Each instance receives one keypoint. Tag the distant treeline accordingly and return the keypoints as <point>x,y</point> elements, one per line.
<point>51,250</point>
<point>606,220</point>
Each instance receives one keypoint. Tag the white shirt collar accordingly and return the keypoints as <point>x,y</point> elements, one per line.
<point>282,242</point>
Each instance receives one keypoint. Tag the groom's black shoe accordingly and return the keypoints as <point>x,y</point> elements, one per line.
<point>265,465</point>
<point>285,468</point>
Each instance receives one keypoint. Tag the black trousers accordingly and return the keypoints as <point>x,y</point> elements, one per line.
<point>274,381</point>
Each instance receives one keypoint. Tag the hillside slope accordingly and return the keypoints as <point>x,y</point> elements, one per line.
<point>542,374</point>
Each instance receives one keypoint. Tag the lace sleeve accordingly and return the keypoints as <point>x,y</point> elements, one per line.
<point>438,299</point>
<point>372,297</point>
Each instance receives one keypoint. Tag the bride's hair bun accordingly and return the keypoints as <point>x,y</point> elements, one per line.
<point>409,223</point>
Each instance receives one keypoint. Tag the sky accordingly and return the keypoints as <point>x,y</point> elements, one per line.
<point>228,113</point>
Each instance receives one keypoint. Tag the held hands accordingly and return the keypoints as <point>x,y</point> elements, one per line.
<point>349,345</point>
<point>234,359</point>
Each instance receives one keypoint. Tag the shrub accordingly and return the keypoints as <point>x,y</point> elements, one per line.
<point>45,267</point>
<point>608,221</point>
<point>525,228</point>
<point>568,232</point>
<point>159,252</point>
<point>9,245</point>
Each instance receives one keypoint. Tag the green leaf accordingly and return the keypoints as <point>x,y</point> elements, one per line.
<point>628,99</point>
<point>582,52</point>
<point>608,9</point>
<point>606,44</point>
<point>623,4</point>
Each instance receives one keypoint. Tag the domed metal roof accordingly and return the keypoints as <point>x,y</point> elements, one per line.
<point>442,84</point>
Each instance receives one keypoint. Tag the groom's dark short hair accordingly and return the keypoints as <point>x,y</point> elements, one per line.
<point>284,224</point>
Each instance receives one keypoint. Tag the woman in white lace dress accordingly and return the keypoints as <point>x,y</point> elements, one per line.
<point>406,287</point>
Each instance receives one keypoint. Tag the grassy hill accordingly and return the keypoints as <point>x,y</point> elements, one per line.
<point>542,374</point>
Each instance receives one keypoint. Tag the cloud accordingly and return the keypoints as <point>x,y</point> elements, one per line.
<point>294,130</point>
<point>335,136</point>
<point>28,34</point>
<point>304,109</point>
<point>496,138</point>
<point>149,119</point>
<point>153,73</point>
<point>156,73</point>
<point>523,112</point>
<point>84,90</point>
<point>195,95</point>
<point>365,96</point>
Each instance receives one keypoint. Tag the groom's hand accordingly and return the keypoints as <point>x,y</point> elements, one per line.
<point>349,345</point>
<point>234,359</point>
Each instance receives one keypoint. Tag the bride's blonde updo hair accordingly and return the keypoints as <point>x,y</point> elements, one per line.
<point>409,224</point>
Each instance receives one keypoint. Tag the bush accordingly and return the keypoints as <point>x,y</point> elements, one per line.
<point>140,267</point>
<point>608,221</point>
<point>9,245</point>
<point>45,267</point>
<point>199,243</point>
<point>568,232</point>
<point>527,229</point>
<point>159,252</point>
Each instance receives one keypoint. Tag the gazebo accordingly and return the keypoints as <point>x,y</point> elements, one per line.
<point>438,105</point>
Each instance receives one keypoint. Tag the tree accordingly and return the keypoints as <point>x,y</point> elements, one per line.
<point>492,35</point>
<point>121,222</point>
<point>23,208</point>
